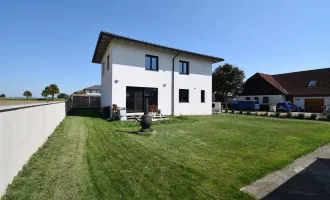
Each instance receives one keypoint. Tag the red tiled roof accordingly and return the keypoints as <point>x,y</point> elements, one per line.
<point>270,79</point>
<point>298,82</point>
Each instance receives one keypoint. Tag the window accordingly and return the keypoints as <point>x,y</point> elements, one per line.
<point>152,62</point>
<point>183,96</point>
<point>247,98</point>
<point>102,69</point>
<point>312,83</point>
<point>256,98</point>
<point>183,67</point>
<point>108,62</point>
<point>265,99</point>
<point>90,91</point>
<point>203,96</point>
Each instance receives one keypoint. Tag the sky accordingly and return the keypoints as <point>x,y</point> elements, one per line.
<point>44,42</point>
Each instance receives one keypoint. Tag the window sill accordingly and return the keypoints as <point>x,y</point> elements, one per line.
<point>183,73</point>
<point>152,70</point>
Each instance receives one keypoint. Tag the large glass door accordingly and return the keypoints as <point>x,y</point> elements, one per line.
<point>135,98</point>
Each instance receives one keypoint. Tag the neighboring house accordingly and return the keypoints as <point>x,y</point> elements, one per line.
<point>177,81</point>
<point>95,89</point>
<point>309,90</point>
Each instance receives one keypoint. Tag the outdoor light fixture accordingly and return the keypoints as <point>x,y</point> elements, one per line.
<point>164,85</point>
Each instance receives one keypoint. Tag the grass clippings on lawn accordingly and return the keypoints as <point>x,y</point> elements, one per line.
<point>204,157</point>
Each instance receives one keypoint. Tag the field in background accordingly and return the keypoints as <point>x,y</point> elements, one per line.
<point>191,157</point>
<point>21,101</point>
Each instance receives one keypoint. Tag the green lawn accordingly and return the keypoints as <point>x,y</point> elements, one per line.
<point>204,157</point>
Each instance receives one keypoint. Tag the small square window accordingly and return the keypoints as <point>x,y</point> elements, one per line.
<point>183,96</point>
<point>265,99</point>
<point>90,91</point>
<point>183,67</point>
<point>203,96</point>
<point>151,62</point>
<point>247,98</point>
<point>256,98</point>
<point>312,83</point>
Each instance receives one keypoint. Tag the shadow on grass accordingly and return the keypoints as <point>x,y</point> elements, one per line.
<point>85,112</point>
<point>311,183</point>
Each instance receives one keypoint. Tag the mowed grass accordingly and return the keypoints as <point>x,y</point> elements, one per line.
<point>200,157</point>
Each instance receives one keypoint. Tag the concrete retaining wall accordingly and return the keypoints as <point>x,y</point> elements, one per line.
<point>23,129</point>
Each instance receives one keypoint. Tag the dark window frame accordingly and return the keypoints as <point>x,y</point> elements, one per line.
<point>247,98</point>
<point>108,62</point>
<point>151,57</point>
<point>256,98</point>
<point>181,98</point>
<point>187,64</point>
<point>263,99</point>
<point>90,91</point>
<point>103,68</point>
<point>202,96</point>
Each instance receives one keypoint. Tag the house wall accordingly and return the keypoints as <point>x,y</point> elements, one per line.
<point>22,131</point>
<point>92,92</point>
<point>300,101</point>
<point>107,79</point>
<point>128,69</point>
<point>273,99</point>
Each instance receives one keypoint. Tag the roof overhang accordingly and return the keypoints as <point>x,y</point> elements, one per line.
<point>105,38</point>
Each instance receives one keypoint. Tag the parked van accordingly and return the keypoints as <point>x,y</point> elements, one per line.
<point>245,105</point>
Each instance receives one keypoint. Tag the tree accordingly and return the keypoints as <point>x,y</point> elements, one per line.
<point>63,96</point>
<point>53,89</point>
<point>27,94</point>
<point>2,95</point>
<point>227,79</point>
<point>45,92</point>
<point>79,92</point>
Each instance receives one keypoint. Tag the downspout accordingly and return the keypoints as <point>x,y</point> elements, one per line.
<point>172,109</point>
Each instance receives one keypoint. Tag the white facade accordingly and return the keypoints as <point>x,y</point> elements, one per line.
<point>273,99</point>
<point>127,68</point>
<point>300,101</point>
<point>87,91</point>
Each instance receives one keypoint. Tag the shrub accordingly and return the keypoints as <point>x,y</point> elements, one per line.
<point>241,112</point>
<point>226,110</point>
<point>301,116</point>
<point>289,115</point>
<point>277,114</point>
<point>266,114</point>
<point>248,113</point>
<point>313,117</point>
<point>328,117</point>
<point>232,111</point>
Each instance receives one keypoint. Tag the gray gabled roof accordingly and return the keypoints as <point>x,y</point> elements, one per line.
<point>94,87</point>
<point>106,37</point>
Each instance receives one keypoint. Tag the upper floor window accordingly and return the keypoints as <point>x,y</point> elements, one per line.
<point>183,67</point>
<point>90,91</point>
<point>265,99</point>
<point>247,98</point>
<point>256,98</point>
<point>108,62</point>
<point>312,83</point>
<point>152,62</point>
<point>102,68</point>
<point>183,96</point>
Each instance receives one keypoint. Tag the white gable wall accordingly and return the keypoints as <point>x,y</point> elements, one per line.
<point>128,69</point>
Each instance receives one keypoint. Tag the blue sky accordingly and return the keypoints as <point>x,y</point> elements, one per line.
<point>44,42</point>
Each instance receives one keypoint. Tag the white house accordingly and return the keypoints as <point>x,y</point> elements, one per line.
<point>93,90</point>
<point>177,81</point>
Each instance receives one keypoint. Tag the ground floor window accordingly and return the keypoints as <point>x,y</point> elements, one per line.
<point>256,98</point>
<point>183,96</point>
<point>203,96</point>
<point>265,99</point>
<point>247,98</point>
